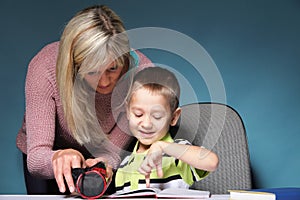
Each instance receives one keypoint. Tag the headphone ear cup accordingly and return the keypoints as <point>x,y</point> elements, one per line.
<point>91,184</point>
<point>76,172</point>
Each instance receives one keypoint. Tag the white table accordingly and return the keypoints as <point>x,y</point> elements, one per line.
<point>47,197</point>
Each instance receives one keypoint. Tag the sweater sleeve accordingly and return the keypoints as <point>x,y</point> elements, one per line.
<point>40,112</point>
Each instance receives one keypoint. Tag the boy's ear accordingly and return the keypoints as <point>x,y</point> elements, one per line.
<point>175,117</point>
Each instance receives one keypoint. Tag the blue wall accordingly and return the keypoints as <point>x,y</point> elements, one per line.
<point>255,45</point>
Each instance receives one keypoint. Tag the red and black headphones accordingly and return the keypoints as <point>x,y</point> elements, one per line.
<point>90,182</point>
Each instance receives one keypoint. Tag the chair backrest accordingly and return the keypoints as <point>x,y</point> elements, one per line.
<point>220,128</point>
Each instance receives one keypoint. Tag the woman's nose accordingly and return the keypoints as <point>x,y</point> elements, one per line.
<point>104,80</point>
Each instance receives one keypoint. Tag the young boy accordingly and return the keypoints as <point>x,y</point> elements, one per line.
<point>158,161</point>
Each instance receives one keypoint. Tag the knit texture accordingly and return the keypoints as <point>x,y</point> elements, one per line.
<point>44,129</point>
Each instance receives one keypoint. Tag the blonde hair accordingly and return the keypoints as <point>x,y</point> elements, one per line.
<point>93,37</point>
<point>159,81</point>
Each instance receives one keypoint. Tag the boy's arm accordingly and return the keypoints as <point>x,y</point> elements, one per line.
<point>197,157</point>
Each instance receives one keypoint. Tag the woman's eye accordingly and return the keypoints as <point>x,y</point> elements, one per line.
<point>114,68</point>
<point>92,73</point>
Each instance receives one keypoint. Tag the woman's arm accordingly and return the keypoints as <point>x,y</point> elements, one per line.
<point>41,127</point>
<point>40,113</point>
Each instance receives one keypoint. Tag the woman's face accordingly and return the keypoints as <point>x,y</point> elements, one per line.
<point>104,81</point>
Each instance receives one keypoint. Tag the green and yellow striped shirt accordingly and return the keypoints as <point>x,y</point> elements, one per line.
<point>177,174</point>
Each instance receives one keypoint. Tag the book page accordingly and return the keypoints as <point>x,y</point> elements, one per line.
<point>166,193</point>
<point>146,192</point>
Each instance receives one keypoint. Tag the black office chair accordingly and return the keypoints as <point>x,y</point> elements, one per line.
<point>220,128</point>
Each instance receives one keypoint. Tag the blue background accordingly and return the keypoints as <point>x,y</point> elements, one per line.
<point>255,45</point>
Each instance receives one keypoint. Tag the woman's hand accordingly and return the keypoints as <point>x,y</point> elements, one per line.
<point>63,161</point>
<point>109,172</point>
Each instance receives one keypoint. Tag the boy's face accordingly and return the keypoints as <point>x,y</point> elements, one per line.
<point>149,117</point>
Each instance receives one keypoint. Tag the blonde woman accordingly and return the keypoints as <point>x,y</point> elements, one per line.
<point>68,89</point>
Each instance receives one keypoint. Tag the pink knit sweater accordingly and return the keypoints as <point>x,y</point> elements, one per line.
<point>44,129</point>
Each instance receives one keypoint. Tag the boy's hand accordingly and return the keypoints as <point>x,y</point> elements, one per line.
<point>152,160</point>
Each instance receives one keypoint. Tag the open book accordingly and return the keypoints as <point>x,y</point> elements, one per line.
<point>166,193</point>
<point>251,195</point>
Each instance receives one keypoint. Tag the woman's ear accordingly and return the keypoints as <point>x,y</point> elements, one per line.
<point>175,116</point>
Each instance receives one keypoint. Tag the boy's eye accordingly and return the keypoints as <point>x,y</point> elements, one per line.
<point>138,114</point>
<point>157,116</point>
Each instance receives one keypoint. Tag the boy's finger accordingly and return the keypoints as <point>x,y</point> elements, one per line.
<point>159,171</point>
<point>147,178</point>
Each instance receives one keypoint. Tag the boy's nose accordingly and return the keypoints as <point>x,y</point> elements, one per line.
<point>147,123</point>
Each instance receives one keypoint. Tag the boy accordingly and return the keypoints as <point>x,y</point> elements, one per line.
<point>152,107</point>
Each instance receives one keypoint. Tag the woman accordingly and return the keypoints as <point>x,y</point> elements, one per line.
<point>69,122</point>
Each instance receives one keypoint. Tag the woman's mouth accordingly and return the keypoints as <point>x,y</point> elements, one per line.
<point>102,87</point>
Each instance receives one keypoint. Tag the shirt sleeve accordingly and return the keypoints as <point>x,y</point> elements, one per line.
<point>40,113</point>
